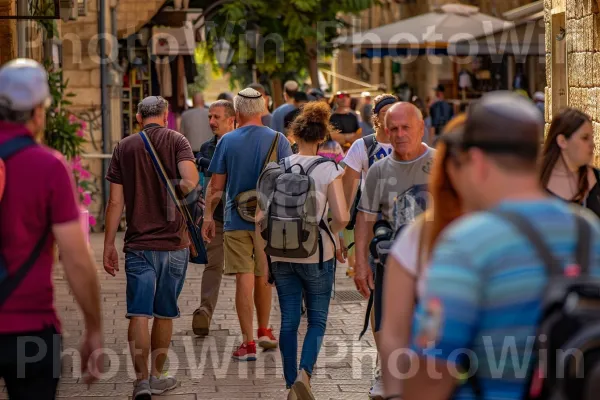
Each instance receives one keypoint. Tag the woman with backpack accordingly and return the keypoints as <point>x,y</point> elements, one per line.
<point>410,253</point>
<point>314,275</point>
<point>567,157</point>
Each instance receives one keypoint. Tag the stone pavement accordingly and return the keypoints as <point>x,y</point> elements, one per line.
<point>204,366</point>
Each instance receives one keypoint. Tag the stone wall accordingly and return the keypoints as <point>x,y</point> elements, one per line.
<point>583,60</point>
<point>82,69</point>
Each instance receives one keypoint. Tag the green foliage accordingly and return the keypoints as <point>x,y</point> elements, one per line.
<point>63,130</point>
<point>292,22</point>
<point>44,8</point>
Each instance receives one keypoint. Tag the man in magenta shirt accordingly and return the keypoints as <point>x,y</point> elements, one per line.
<point>38,206</point>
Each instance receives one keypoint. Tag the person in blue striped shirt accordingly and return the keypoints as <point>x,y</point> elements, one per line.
<point>485,283</point>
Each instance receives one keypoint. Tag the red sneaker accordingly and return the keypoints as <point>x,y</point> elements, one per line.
<point>266,340</point>
<point>246,352</point>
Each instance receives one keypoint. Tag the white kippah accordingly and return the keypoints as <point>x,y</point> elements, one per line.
<point>250,93</point>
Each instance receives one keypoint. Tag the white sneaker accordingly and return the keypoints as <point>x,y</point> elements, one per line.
<point>162,384</point>
<point>377,392</point>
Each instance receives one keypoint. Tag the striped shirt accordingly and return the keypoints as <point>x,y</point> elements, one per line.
<point>484,290</point>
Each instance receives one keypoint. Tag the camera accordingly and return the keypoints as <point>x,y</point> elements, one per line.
<point>383,233</point>
<point>203,163</point>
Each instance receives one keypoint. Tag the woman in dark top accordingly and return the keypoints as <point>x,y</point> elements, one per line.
<point>568,152</point>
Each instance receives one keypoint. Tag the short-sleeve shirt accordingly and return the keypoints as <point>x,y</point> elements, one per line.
<point>345,123</point>
<point>331,149</point>
<point>241,155</point>
<point>406,251</point>
<point>153,221</point>
<point>441,113</point>
<point>267,120</point>
<point>195,127</point>
<point>358,159</point>
<point>397,189</point>
<point>39,192</point>
<point>323,175</point>
<point>277,123</point>
<point>484,291</point>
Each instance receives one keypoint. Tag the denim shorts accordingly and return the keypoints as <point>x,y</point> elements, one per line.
<point>154,282</point>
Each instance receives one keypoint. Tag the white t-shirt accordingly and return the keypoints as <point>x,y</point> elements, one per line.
<point>406,251</point>
<point>358,160</point>
<point>323,175</point>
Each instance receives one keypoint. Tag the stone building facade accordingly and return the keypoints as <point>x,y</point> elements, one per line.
<point>573,63</point>
<point>421,72</point>
<point>81,66</point>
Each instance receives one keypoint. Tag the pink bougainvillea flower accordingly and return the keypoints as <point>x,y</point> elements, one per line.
<point>80,190</point>
<point>72,118</point>
<point>85,174</point>
<point>80,133</point>
<point>92,220</point>
<point>87,199</point>
<point>83,124</point>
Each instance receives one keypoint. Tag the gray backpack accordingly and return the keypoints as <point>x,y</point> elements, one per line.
<point>292,217</point>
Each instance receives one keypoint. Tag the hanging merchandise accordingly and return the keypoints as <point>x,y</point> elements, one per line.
<point>167,41</point>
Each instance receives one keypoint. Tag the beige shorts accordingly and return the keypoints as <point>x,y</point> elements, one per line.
<point>240,250</point>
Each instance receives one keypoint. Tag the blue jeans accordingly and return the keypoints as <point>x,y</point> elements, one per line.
<point>317,283</point>
<point>154,282</point>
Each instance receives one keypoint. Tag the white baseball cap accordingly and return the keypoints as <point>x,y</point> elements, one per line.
<point>23,85</point>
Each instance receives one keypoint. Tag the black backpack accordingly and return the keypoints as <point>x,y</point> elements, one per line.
<point>570,320</point>
<point>371,145</point>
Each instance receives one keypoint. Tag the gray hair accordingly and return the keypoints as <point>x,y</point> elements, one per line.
<point>149,109</point>
<point>249,107</point>
<point>16,117</point>
<point>229,110</point>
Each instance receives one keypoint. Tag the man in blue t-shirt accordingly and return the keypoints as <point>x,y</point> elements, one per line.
<point>289,90</point>
<point>485,283</point>
<point>236,166</point>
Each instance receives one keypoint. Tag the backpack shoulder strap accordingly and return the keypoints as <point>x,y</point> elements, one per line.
<point>272,154</point>
<point>553,266</point>
<point>13,146</point>
<point>318,162</point>
<point>370,144</point>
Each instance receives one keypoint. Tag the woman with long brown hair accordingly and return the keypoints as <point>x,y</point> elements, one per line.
<point>411,252</point>
<point>566,170</point>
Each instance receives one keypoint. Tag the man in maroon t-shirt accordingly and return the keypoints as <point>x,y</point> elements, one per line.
<point>156,241</point>
<point>39,200</point>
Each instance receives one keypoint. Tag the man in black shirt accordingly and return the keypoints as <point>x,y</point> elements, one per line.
<point>221,117</point>
<point>345,122</point>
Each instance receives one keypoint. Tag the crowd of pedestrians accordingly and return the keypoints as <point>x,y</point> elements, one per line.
<point>485,246</point>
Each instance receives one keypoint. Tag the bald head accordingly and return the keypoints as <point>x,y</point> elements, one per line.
<point>405,127</point>
<point>198,100</point>
<point>403,109</point>
<point>289,90</point>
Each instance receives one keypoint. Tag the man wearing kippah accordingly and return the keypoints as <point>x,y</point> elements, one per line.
<point>236,166</point>
<point>38,209</point>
